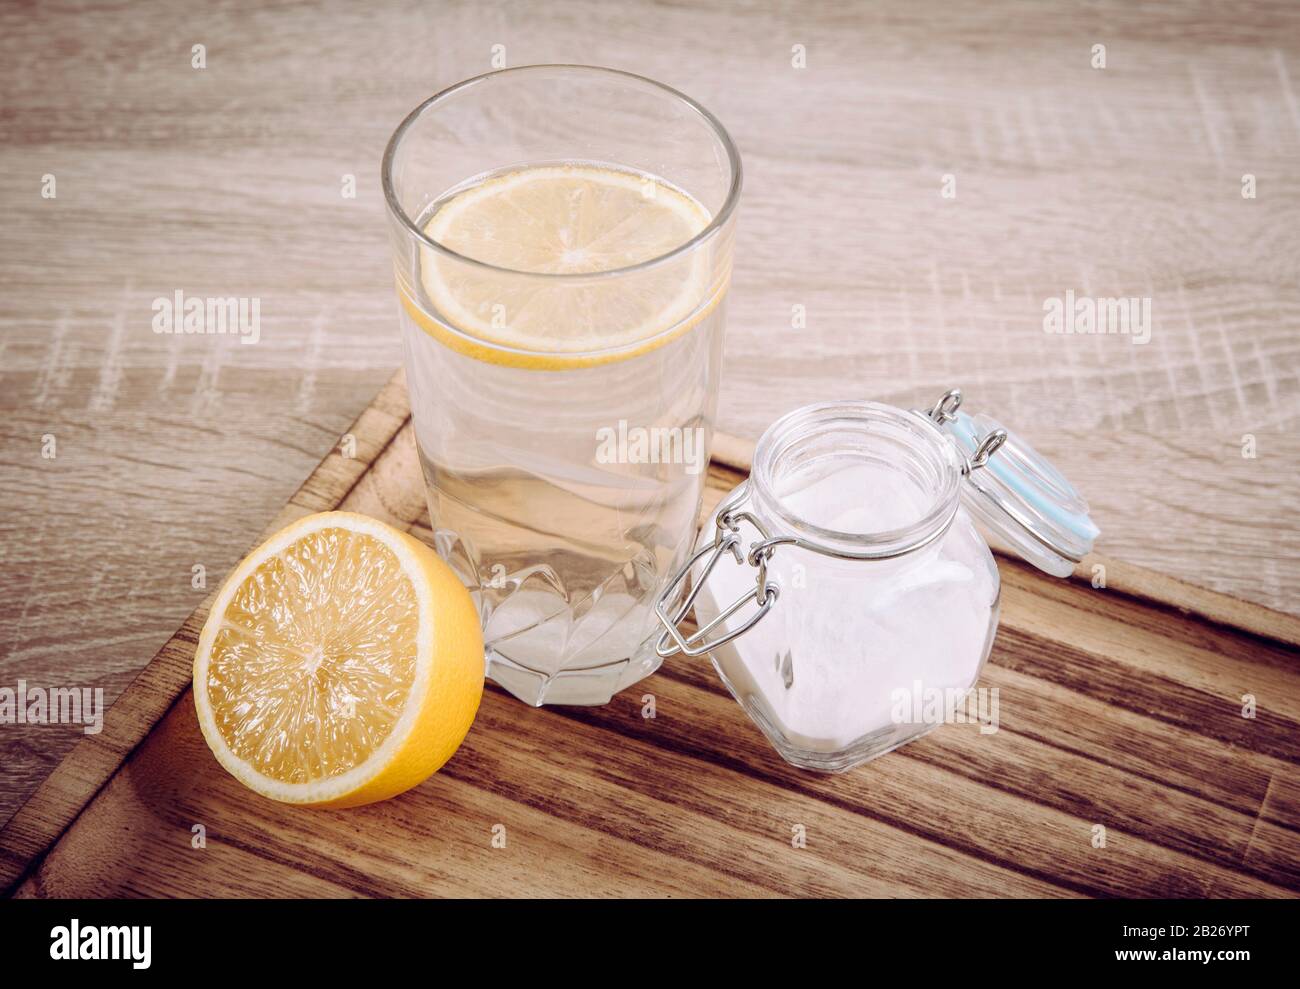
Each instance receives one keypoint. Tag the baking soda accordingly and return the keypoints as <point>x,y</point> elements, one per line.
<point>827,664</point>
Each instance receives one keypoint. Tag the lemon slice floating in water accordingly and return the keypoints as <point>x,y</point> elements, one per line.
<point>571,220</point>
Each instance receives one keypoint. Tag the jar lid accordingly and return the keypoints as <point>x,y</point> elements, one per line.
<point>1017,494</point>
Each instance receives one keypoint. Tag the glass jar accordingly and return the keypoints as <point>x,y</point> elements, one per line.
<point>843,592</point>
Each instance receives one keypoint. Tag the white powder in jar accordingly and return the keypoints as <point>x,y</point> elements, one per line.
<point>828,663</point>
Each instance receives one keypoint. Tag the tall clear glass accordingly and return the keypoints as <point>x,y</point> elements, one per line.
<point>563,416</point>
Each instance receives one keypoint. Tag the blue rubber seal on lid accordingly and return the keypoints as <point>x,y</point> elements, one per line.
<point>1023,498</point>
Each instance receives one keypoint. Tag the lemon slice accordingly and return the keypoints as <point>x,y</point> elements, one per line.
<point>573,220</point>
<point>342,663</point>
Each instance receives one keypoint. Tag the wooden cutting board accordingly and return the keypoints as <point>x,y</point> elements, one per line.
<point>1121,714</point>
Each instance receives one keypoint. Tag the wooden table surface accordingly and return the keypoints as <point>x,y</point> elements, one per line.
<point>1108,757</point>
<point>173,452</point>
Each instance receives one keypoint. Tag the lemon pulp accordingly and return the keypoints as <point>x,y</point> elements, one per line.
<point>342,663</point>
<point>315,658</point>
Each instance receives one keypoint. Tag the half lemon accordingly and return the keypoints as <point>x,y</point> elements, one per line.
<point>342,663</point>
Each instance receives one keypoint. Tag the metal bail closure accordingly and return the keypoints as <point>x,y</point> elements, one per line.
<point>1018,495</point>
<point>726,540</point>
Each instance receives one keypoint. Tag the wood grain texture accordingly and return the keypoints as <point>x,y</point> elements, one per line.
<point>1118,708</point>
<point>1125,181</point>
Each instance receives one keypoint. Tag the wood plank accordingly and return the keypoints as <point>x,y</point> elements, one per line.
<point>938,804</point>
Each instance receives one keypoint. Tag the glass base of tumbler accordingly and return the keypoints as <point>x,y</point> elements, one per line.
<point>587,687</point>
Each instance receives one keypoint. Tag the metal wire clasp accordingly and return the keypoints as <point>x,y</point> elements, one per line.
<point>945,410</point>
<point>727,539</point>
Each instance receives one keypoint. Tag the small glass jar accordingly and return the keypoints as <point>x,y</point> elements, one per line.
<point>843,592</point>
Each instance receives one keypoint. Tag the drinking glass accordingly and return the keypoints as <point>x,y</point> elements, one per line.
<point>564,465</point>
